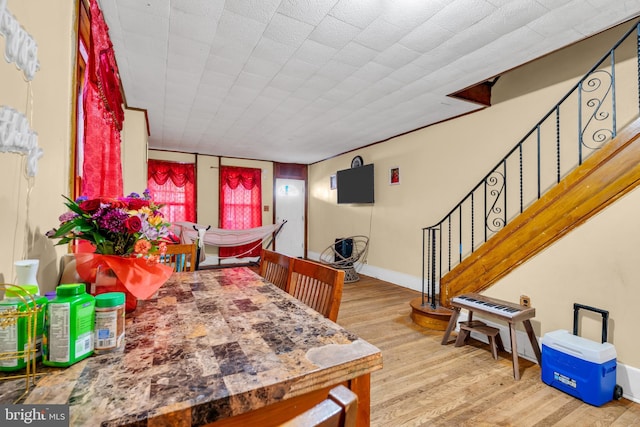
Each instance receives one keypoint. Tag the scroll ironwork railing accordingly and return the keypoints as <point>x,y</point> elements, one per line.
<point>591,114</point>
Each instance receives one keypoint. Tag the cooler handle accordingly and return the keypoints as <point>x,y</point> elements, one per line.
<point>605,318</point>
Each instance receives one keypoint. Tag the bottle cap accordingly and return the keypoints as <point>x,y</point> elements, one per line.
<point>71,289</point>
<point>21,290</point>
<point>110,299</point>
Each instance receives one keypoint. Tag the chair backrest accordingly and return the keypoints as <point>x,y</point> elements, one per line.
<point>317,285</point>
<point>182,257</point>
<point>340,409</point>
<point>276,268</point>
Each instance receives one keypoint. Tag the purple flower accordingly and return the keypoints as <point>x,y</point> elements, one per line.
<point>67,216</point>
<point>81,199</point>
<point>111,219</point>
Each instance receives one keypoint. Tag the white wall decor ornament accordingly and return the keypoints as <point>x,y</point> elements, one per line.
<point>17,137</point>
<point>20,47</point>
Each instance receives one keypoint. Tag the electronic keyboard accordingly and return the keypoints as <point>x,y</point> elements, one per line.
<point>503,309</point>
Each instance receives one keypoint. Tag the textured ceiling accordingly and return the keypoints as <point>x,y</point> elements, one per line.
<point>303,80</point>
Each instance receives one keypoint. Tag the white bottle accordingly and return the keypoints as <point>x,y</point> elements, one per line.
<point>27,270</point>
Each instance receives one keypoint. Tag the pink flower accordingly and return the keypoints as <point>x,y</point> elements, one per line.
<point>142,247</point>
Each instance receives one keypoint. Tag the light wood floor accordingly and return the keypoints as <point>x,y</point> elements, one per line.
<point>425,383</point>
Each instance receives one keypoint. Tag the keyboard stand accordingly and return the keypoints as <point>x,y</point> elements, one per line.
<point>512,332</point>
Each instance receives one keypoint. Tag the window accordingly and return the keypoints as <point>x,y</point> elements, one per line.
<point>240,206</point>
<point>173,185</point>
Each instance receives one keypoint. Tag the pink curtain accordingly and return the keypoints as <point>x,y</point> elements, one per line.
<point>173,185</point>
<point>103,114</point>
<point>240,205</point>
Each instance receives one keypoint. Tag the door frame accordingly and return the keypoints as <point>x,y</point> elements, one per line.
<point>292,171</point>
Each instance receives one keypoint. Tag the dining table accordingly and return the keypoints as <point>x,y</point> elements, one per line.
<point>219,347</point>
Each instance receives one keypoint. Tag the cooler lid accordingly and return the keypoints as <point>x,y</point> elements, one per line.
<point>582,348</point>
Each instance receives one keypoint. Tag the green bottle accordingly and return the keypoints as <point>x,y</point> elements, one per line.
<point>14,335</point>
<point>69,326</point>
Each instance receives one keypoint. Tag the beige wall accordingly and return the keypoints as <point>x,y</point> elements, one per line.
<point>32,206</point>
<point>134,151</point>
<point>440,164</point>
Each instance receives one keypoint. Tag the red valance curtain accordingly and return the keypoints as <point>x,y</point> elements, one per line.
<point>173,185</point>
<point>240,205</point>
<point>103,114</point>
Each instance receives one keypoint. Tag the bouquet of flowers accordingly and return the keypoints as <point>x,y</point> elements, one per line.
<point>131,226</point>
<point>129,235</point>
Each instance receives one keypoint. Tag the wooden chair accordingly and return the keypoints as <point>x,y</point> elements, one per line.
<point>276,268</point>
<point>181,257</point>
<point>340,409</point>
<point>318,286</point>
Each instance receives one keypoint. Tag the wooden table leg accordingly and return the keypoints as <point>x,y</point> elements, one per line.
<point>362,387</point>
<point>514,350</point>
<point>533,340</point>
<point>451,326</point>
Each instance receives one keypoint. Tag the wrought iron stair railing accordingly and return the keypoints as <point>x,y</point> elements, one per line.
<point>597,107</point>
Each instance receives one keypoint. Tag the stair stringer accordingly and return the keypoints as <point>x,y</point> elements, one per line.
<point>604,177</point>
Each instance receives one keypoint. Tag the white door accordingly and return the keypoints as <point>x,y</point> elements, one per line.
<point>290,206</point>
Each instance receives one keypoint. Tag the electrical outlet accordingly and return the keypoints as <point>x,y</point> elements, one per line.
<point>525,300</point>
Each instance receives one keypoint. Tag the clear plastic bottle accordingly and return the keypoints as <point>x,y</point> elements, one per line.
<point>69,326</point>
<point>109,323</point>
<point>14,335</point>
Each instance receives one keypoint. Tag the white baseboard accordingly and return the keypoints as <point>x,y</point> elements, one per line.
<point>627,377</point>
<point>400,279</point>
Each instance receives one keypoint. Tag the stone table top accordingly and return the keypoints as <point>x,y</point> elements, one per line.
<point>209,345</point>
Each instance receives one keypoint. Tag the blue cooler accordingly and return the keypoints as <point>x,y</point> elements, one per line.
<point>578,366</point>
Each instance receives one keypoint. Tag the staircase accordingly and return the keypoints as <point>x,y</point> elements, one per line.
<point>521,207</point>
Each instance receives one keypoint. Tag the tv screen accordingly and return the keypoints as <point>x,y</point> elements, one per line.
<point>355,185</point>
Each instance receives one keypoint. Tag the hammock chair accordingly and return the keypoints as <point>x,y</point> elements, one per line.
<point>190,232</point>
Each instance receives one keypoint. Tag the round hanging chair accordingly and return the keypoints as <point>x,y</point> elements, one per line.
<point>347,254</point>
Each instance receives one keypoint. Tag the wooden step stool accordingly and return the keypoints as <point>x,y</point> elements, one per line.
<point>493,335</point>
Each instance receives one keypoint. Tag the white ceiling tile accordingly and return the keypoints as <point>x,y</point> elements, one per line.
<point>408,73</point>
<point>222,65</point>
<point>372,72</point>
<point>211,9</point>
<point>235,28</point>
<point>258,10</point>
<point>396,56</point>
<point>334,33</point>
<point>315,53</point>
<point>149,24</point>
<point>286,30</point>
<point>253,82</point>
<point>380,35</point>
<point>298,68</point>
<point>270,50</point>
<point>355,54</point>
<point>311,12</point>
<point>234,52</point>
<point>460,14</point>
<point>337,70</point>
<point>288,83</point>
<point>146,45</point>
<point>411,13</point>
<point>199,28</point>
<point>359,13</point>
<point>148,7</point>
<point>426,37</point>
<point>262,67</point>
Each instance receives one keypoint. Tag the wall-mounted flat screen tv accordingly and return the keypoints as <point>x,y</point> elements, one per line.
<point>355,185</point>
